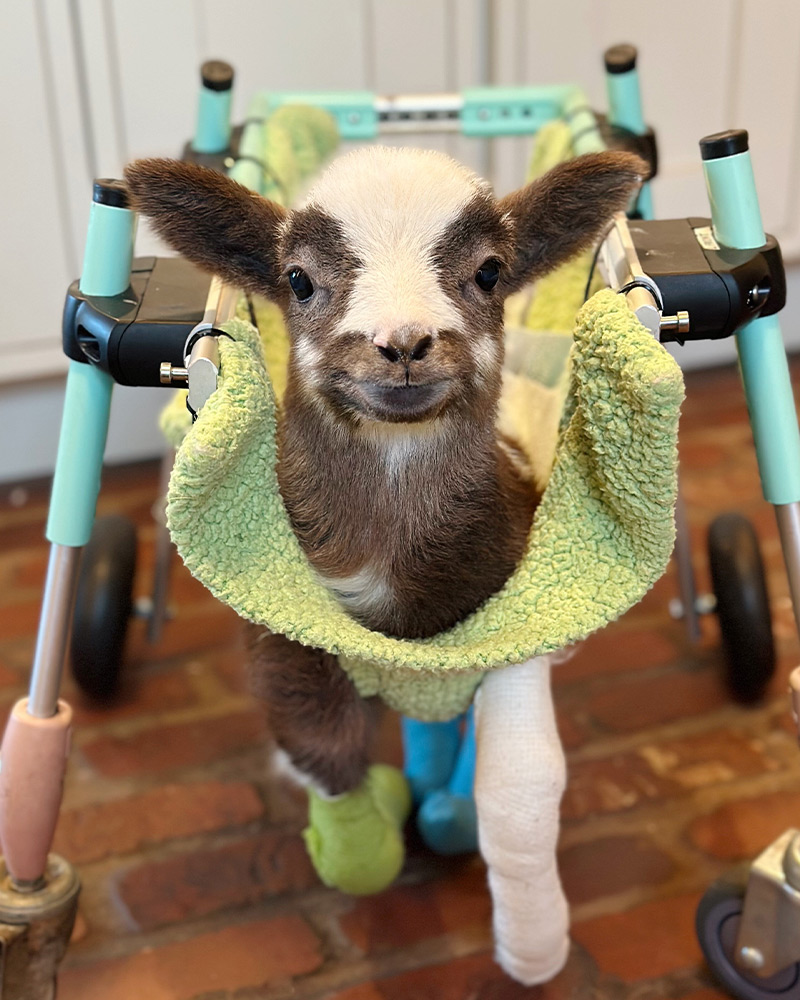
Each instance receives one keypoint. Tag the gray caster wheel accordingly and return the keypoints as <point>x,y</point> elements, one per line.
<point>717,925</point>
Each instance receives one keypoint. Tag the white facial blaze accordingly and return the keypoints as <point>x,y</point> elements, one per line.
<point>394,205</point>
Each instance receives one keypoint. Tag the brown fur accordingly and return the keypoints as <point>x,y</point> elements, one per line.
<point>388,455</point>
<point>313,709</point>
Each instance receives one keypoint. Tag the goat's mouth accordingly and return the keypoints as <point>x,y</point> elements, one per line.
<point>403,403</point>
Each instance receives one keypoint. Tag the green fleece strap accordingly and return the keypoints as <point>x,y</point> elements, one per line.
<point>356,840</point>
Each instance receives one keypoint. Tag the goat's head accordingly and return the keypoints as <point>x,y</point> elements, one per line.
<point>393,272</point>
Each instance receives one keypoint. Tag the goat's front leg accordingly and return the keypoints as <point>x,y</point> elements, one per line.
<point>519,780</point>
<point>319,720</point>
<point>315,714</point>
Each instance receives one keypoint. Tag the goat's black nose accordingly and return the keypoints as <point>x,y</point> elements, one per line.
<point>406,349</point>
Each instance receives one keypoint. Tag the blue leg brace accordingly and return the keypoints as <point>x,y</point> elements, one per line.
<point>447,819</point>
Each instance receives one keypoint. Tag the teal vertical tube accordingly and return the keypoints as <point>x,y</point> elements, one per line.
<point>625,105</point>
<point>736,220</point>
<point>624,101</point>
<point>84,427</point>
<point>87,403</point>
<point>213,129</point>
<point>109,250</point>
<point>735,211</point>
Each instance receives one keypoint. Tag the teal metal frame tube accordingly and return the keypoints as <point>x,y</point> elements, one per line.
<point>737,223</point>
<point>212,132</point>
<point>84,425</point>
<point>625,105</point>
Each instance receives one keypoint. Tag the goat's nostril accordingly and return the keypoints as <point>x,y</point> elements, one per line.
<point>420,349</point>
<point>389,353</point>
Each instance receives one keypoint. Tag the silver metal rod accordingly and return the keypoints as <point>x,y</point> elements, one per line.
<point>413,113</point>
<point>788,517</point>
<point>158,611</point>
<point>686,580</point>
<point>419,104</point>
<point>620,267</point>
<point>54,627</point>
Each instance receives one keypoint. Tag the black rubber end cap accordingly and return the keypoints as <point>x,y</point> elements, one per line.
<point>216,75</point>
<point>109,191</point>
<point>714,147</point>
<point>620,58</point>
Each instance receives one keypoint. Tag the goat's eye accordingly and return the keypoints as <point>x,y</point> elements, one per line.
<point>301,284</point>
<point>488,274</point>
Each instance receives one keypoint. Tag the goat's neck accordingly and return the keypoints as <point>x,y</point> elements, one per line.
<point>414,524</point>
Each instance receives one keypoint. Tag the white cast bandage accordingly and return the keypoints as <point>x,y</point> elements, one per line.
<point>519,780</point>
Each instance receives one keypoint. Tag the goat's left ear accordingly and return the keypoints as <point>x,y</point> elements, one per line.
<point>566,210</point>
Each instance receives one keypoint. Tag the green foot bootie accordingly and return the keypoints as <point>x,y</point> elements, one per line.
<point>356,840</point>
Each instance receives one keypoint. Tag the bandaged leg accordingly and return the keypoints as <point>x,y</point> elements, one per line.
<point>519,781</point>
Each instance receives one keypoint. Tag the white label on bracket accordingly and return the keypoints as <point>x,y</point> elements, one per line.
<point>705,237</point>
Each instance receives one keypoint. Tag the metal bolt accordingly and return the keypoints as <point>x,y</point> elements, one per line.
<point>169,374</point>
<point>751,958</point>
<point>757,296</point>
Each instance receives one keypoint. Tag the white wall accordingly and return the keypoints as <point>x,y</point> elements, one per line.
<point>90,84</point>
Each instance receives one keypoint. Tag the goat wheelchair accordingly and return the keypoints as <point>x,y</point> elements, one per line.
<point>152,321</point>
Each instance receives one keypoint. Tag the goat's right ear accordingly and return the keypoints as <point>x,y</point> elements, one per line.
<point>211,220</point>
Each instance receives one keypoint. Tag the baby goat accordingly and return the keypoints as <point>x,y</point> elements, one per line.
<point>392,276</point>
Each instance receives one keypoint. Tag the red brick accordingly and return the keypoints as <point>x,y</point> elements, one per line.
<point>141,693</point>
<point>189,744</point>
<point>647,942</point>
<point>21,619</point>
<point>660,770</point>
<point>230,665</point>
<point>9,678</point>
<point>712,489</point>
<point>474,977</point>
<point>262,953</point>
<point>30,570</point>
<point>743,829</point>
<point>708,994</point>
<point>639,702</point>
<point>405,915</point>
<point>572,726</point>
<point>617,649</point>
<point>194,884</point>
<point>610,865</point>
<point>116,828</point>
<point>700,453</point>
<point>196,627</point>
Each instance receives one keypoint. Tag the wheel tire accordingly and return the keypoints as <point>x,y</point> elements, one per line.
<point>737,575</point>
<point>103,605</point>
<point>717,923</point>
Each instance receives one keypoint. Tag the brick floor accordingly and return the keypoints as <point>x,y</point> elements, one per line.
<point>196,885</point>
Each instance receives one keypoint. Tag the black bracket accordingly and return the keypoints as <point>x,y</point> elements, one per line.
<point>720,288</point>
<point>130,335</point>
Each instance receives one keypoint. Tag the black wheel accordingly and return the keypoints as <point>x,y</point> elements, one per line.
<point>717,922</point>
<point>103,605</point>
<point>737,575</point>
